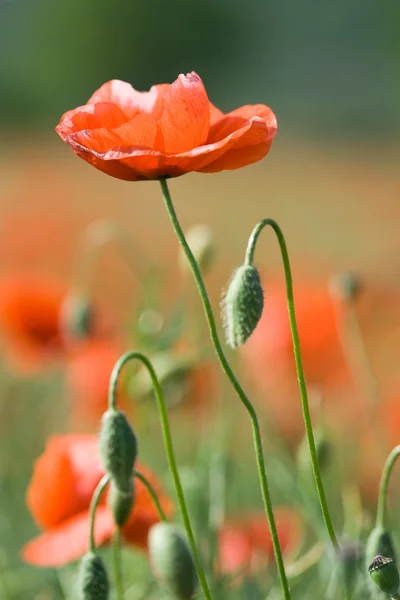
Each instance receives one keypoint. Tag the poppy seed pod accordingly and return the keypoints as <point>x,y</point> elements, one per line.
<point>171,560</point>
<point>121,503</point>
<point>118,448</point>
<point>202,244</point>
<point>242,306</point>
<point>76,317</point>
<point>385,575</point>
<point>93,580</point>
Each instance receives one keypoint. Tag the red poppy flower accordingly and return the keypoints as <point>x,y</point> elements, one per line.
<point>29,319</point>
<point>64,479</point>
<point>166,132</point>
<point>245,543</point>
<point>88,378</point>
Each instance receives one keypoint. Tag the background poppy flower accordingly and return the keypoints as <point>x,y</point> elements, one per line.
<point>64,479</point>
<point>245,543</point>
<point>29,319</point>
<point>166,132</point>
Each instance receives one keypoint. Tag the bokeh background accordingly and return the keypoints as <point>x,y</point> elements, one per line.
<point>330,72</point>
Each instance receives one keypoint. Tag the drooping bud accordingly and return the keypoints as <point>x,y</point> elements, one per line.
<point>76,319</point>
<point>385,575</point>
<point>202,244</point>
<point>380,542</point>
<point>172,560</point>
<point>118,448</point>
<point>345,286</point>
<point>121,503</point>
<point>93,580</point>
<point>324,453</point>
<point>242,306</point>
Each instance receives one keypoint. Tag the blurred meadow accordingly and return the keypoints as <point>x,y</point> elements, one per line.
<point>331,180</point>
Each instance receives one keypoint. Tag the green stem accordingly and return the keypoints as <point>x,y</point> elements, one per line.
<point>93,506</point>
<point>116,552</point>
<point>169,448</point>
<point>119,365</point>
<point>152,493</point>
<point>299,363</point>
<point>236,385</point>
<point>384,485</point>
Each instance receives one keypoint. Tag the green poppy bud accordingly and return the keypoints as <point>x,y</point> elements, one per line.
<point>345,286</point>
<point>385,575</point>
<point>172,560</point>
<point>76,316</point>
<point>121,503</point>
<point>93,580</point>
<point>242,306</point>
<point>380,542</point>
<point>202,244</point>
<point>118,448</point>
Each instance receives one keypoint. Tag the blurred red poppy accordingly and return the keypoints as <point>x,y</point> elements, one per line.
<point>88,378</point>
<point>245,543</point>
<point>64,479</point>
<point>29,319</point>
<point>166,132</point>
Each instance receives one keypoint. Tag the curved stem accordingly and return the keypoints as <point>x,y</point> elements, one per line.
<point>93,506</point>
<point>119,365</point>
<point>236,385</point>
<point>116,551</point>
<point>169,448</point>
<point>384,485</point>
<point>152,493</point>
<point>299,363</point>
<point>95,237</point>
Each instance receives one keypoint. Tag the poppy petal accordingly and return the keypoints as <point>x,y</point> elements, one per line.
<point>185,120</point>
<point>68,541</point>
<point>129,100</point>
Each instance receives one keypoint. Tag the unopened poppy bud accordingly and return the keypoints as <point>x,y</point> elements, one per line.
<point>385,575</point>
<point>76,316</point>
<point>380,542</point>
<point>202,244</point>
<point>242,306</point>
<point>121,503</point>
<point>172,560</point>
<point>345,286</point>
<point>323,448</point>
<point>93,580</point>
<point>118,448</point>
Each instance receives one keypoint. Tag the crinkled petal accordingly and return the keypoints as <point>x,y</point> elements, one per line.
<point>129,100</point>
<point>185,120</point>
<point>69,541</point>
<point>91,116</point>
<point>141,131</point>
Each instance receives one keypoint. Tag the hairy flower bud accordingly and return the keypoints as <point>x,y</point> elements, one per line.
<point>118,448</point>
<point>171,560</point>
<point>242,306</point>
<point>76,316</point>
<point>93,580</point>
<point>202,244</point>
<point>121,503</point>
<point>385,575</point>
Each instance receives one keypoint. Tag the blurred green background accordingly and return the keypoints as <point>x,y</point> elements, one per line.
<point>324,68</point>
